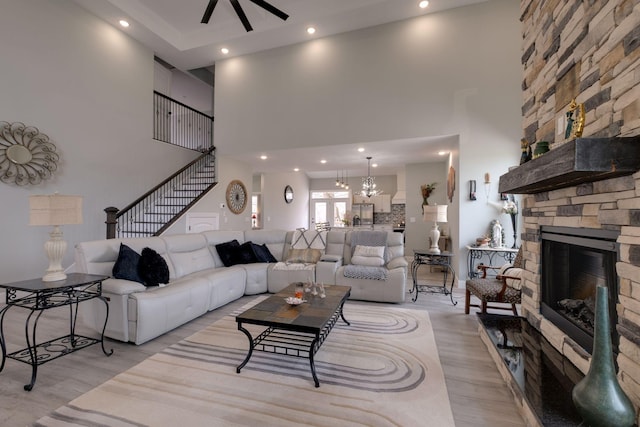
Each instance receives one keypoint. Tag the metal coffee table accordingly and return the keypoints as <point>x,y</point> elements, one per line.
<point>297,331</point>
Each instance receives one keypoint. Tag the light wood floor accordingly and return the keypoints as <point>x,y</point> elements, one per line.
<point>479,396</point>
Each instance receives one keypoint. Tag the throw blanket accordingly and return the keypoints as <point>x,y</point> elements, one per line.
<point>293,266</point>
<point>365,272</point>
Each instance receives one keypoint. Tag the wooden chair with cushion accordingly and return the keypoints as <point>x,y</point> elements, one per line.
<point>505,287</point>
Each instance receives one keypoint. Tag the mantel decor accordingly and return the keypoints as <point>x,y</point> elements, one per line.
<point>575,162</point>
<point>26,155</point>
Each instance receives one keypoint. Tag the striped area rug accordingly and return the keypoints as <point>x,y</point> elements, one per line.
<point>383,370</point>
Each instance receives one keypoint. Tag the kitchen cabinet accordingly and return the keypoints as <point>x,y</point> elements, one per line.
<point>381,203</point>
<point>358,198</point>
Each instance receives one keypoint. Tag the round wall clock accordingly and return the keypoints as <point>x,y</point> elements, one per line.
<point>236,196</point>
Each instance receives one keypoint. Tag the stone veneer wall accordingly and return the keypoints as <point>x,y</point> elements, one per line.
<point>588,50</point>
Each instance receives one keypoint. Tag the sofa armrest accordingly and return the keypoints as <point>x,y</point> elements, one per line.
<point>122,287</point>
<point>331,258</point>
<point>397,262</point>
<point>326,269</point>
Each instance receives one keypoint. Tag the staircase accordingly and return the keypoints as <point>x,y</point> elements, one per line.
<point>156,210</point>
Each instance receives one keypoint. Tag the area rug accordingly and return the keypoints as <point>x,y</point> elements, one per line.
<point>383,370</point>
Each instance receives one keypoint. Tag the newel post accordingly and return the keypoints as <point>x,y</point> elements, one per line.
<point>111,222</point>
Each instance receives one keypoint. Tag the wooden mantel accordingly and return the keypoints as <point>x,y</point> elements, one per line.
<point>575,162</point>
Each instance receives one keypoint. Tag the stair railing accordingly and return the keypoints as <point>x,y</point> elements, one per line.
<point>181,125</point>
<point>156,210</point>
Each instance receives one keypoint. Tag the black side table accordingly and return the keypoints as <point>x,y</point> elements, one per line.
<point>37,296</point>
<point>443,259</point>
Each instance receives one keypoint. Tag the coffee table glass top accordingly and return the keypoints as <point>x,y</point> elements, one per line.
<point>311,315</point>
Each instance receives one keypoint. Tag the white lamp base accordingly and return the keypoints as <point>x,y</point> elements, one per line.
<point>434,235</point>
<point>55,249</point>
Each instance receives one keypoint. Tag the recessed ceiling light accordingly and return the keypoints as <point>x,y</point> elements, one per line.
<point>224,50</point>
<point>263,157</point>
<point>441,153</point>
<point>296,169</point>
<point>361,149</point>
<point>374,165</point>
<point>423,4</point>
<point>311,30</point>
<point>124,23</point>
<point>323,161</point>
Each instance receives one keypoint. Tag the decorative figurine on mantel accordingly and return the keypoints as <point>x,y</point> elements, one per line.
<point>526,151</point>
<point>575,120</point>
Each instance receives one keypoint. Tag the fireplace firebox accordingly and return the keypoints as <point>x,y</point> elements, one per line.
<point>574,261</point>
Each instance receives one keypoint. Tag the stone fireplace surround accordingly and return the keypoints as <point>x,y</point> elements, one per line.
<point>594,203</point>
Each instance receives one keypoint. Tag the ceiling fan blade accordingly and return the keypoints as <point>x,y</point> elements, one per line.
<point>270,8</point>
<point>241,15</point>
<point>208,11</point>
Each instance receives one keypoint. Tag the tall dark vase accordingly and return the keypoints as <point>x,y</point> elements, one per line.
<point>598,397</point>
<point>515,232</point>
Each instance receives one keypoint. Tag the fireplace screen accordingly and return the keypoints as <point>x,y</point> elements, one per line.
<point>574,262</point>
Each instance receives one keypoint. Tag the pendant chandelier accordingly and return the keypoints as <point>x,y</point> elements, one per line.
<point>369,183</point>
<point>342,183</point>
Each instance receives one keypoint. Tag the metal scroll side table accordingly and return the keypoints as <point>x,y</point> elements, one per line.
<point>476,253</point>
<point>38,296</point>
<point>443,259</point>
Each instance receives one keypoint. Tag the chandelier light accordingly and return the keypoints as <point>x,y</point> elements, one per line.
<point>369,183</point>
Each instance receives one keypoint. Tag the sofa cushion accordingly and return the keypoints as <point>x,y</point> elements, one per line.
<point>126,266</point>
<point>153,268</point>
<point>369,251</point>
<point>306,256</point>
<point>227,253</point>
<point>263,254</point>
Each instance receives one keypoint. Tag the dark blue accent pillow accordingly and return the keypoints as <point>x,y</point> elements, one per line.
<point>244,254</point>
<point>126,266</point>
<point>226,252</point>
<point>153,268</point>
<point>263,253</point>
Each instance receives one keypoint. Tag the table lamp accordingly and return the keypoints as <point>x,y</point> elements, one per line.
<point>435,214</point>
<point>55,210</point>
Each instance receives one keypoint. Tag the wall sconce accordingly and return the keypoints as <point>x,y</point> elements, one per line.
<point>472,189</point>
<point>487,185</point>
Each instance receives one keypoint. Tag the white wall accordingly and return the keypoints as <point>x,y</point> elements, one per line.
<point>451,73</point>
<point>89,87</point>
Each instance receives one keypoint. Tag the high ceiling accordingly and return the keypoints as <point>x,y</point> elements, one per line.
<point>172,29</point>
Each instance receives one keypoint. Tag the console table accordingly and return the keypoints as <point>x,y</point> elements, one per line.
<point>37,296</point>
<point>478,252</point>
<point>443,259</point>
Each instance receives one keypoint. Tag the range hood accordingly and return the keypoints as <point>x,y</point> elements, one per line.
<point>400,198</point>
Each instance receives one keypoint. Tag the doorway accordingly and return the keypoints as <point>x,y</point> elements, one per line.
<point>330,207</point>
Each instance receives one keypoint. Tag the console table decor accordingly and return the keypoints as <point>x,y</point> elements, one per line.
<point>476,253</point>
<point>37,295</point>
<point>426,257</point>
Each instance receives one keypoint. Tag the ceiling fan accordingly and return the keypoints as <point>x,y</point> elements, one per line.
<point>243,18</point>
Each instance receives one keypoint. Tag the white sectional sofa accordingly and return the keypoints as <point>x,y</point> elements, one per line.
<point>199,281</point>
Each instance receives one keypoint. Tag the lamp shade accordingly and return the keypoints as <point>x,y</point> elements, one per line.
<point>434,213</point>
<point>55,209</point>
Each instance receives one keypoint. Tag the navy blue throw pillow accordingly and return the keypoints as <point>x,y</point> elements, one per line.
<point>226,252</point>
<point>153,269</point>
<point>126,266</point>
<point>263,253</point>
<point>244,254</point>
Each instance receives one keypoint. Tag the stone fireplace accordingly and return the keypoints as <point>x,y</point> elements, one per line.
<point>574,261</point>
<point>590,52</point>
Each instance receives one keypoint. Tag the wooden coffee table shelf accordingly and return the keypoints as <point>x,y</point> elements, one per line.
<point>297,331</point>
